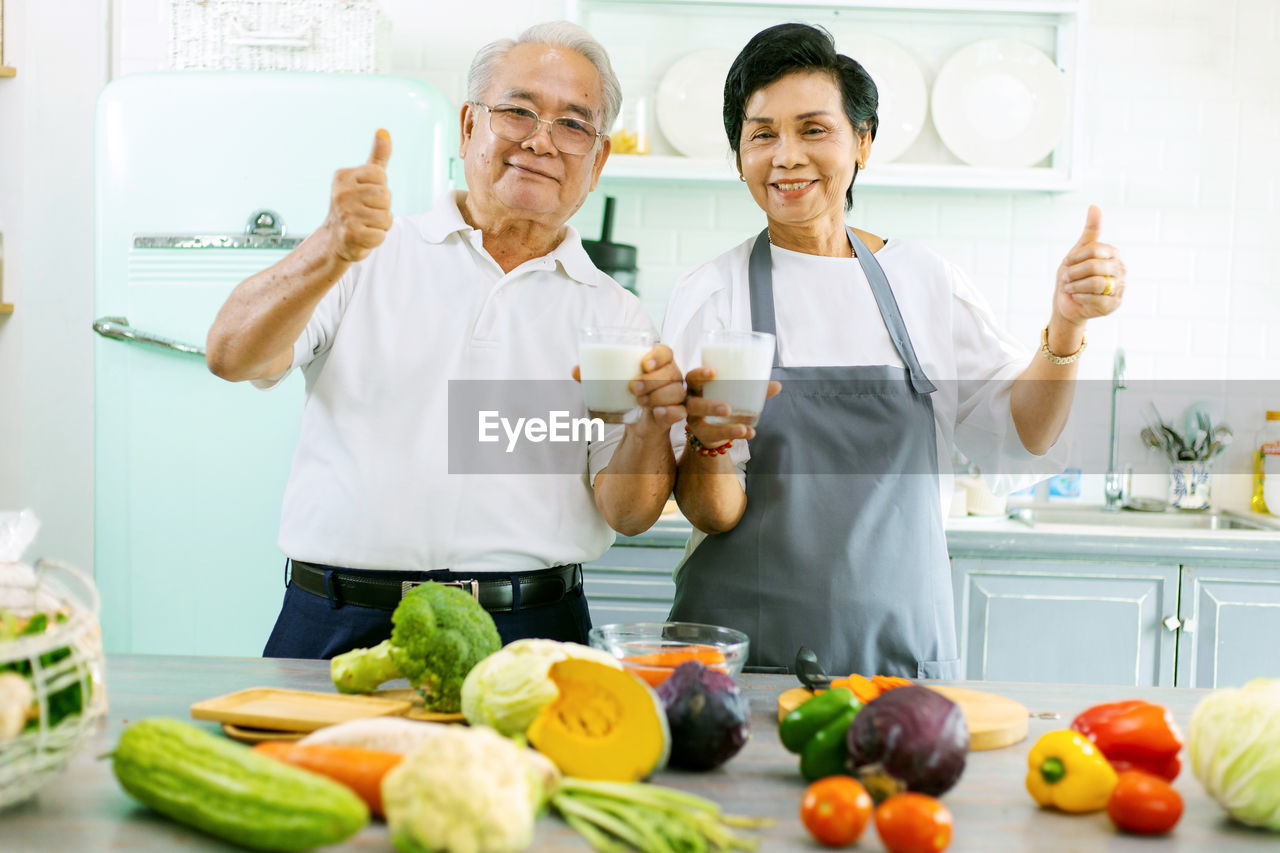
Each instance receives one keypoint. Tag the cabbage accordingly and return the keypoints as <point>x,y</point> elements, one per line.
<point>506,690</point>
<point>1234,745</point>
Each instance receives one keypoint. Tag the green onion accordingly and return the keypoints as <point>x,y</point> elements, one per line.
<point>622,816</point>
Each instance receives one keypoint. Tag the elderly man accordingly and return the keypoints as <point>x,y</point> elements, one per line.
<point>490,285</point>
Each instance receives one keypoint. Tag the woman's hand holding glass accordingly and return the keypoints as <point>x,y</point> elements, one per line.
<point>699,408</point>
<point>1090,281</point>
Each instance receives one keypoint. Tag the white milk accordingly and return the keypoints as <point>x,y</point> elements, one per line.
<point>742,378</point>
<point>607,370</point>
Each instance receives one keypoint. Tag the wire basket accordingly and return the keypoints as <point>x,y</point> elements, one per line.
<point>64,666</point>
<point>274,35</point>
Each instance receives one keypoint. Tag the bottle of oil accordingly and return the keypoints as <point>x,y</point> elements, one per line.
<point>1266,463</point>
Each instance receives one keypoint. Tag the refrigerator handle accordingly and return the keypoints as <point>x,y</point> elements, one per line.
<point>118,328</point>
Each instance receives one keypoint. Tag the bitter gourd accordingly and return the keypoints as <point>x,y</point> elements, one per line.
<point>228,790</point>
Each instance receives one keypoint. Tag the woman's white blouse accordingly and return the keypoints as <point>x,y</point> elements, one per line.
<point>826,315</point>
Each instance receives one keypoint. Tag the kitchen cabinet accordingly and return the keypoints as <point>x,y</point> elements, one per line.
<point>646,37</point>
<point>633,581</point>
<point>1229,623</point>
<point>1066,621</point>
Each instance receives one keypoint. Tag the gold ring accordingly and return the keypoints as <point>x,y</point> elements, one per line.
<point>1106,291</point>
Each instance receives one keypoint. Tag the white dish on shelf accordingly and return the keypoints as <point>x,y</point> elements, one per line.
<point>901,87</point>
<point>1000,103</point>
<point>690,103</point>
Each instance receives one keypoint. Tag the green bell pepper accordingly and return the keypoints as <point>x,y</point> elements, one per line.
<point>816,730</point>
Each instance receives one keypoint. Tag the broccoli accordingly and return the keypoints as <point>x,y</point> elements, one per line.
<point>439,633</point>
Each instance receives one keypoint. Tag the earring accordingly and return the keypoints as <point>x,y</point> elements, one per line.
<point>742,178</point>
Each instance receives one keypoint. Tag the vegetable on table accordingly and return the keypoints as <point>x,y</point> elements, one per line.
<point>1144,804</point>
<point>1134,735</point>
<point>816,730</point>
<point>913,823</point>
<point>1069,773</point>
<point>506,690</point>
<point>836,810</point>
<point>386,734</point>
<point>62,703</point>
<point>470,790</point>
<point>604,724</point>
<point>1233,745</point>
<point>621,816</point>
<point>229,791</point>
<point>707,716</point>
<point>908,739</point>
<point>17,700</point>
<point>361,770</point>
<point>866,689</point>
<point>439,633</point>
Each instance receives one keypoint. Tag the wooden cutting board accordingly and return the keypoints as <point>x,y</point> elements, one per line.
<point>293,710</point>
<point>993,721</point>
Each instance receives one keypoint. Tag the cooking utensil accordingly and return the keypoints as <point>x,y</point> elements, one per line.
<point>618,260</point>
<point>809,671</point>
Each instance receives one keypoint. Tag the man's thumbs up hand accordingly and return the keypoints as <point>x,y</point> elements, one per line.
<point>360,205</point>
<point>1091,278</point>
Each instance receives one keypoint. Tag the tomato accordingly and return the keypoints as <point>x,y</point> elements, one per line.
<point>835,810</point>
<point>1144,804</point>
<point>913,823</point>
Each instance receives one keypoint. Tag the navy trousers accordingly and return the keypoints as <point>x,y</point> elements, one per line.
<point>312,626</point>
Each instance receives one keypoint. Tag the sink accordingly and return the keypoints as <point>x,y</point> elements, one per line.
<point>1048,516</point>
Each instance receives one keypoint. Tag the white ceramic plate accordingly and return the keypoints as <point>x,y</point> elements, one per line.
<point>690,103</point>
<point>1000,103</point>
<point>902,92</point>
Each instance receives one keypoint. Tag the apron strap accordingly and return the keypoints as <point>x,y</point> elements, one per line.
<point>760,287</point>
<point>890,314</point>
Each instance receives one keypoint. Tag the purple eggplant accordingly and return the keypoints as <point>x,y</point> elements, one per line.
<point>707,714</point>
<point>908,739</point>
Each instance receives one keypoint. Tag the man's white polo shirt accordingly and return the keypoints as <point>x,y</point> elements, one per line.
<point>370,486</point>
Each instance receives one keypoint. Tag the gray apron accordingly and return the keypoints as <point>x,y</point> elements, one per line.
<point>841,546</point>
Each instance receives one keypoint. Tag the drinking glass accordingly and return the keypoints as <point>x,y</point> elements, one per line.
<point>743,362</point>
<point>608,359</point>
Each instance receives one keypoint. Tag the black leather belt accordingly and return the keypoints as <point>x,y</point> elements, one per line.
<point>384,590</point>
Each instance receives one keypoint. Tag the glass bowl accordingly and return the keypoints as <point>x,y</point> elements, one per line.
<point>652,650</point>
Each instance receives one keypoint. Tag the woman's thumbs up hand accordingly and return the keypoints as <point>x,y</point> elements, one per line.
<point>360,205</point>
<point>1090,280</point>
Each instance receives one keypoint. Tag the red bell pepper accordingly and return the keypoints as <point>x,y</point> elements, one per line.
<point>1134,735</point>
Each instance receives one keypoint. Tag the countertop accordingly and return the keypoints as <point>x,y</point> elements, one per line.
<point>979,536</point>
<point>85,810</point>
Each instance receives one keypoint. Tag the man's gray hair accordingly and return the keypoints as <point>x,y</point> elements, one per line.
<point>558,34</point>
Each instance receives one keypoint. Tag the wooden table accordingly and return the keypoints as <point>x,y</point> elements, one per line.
<point>85,810</point>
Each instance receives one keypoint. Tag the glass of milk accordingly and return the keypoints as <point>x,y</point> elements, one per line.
<point>743,362</point>
<point>608,359</point>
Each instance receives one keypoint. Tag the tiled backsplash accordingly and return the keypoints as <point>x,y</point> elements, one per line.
<point>1181,128</point>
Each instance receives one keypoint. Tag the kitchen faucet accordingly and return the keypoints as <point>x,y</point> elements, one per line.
<point>1114,487</point>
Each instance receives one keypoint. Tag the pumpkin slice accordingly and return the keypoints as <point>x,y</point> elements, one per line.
<point>604,724</point>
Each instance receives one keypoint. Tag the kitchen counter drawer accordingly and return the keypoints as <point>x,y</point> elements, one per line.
<point>631,584</point>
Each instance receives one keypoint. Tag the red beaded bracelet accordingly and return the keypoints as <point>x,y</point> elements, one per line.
<point>702,449</point>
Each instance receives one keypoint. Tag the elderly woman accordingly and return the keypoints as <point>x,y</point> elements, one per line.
<point>826,528</point>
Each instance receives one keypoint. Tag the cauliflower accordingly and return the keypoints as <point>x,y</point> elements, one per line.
<point>468,790</point>
<point>507,689</point>
<point>439,633</point>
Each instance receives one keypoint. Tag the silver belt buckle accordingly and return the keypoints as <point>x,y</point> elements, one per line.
<point>471,586</point>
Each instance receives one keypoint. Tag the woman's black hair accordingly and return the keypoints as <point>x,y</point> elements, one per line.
<point>789,48</point>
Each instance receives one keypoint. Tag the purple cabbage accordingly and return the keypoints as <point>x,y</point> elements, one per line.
<point>707,714</point>
<point>909,738</point>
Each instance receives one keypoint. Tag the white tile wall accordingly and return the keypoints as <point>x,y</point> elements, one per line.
<point>1181,128</point>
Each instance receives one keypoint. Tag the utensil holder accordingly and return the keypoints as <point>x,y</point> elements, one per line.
<point>1189,485</point>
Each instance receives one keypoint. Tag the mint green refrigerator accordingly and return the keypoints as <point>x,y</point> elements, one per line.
<point>202,179</point>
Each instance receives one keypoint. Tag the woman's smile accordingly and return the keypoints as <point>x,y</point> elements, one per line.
<point>793,189</point>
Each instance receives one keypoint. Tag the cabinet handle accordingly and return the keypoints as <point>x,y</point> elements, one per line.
<point>1173,623</point>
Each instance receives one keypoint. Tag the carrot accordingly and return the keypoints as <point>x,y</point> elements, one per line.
<point>888,682</point>
<point>864,690</point>
<point>361,770</point>
<point>655,667</point>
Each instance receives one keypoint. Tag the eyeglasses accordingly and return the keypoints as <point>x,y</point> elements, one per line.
<point>516,124</point>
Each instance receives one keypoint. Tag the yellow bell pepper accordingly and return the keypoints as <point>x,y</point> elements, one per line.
<point>1068,772</point>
